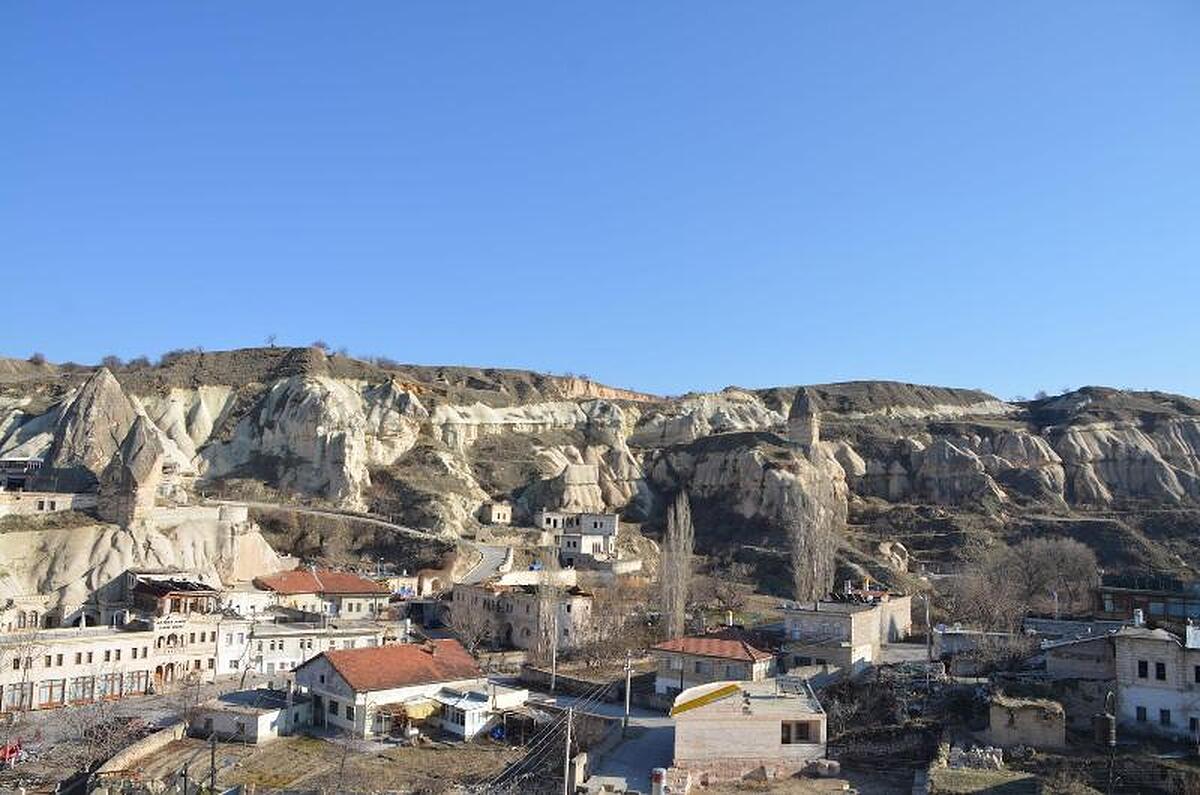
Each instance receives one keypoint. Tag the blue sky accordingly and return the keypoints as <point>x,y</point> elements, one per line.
<point>665,196</point>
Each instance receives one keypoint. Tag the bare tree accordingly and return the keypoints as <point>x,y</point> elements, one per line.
<point>675,570</point>
<point>92,728</point>
<point>812,519</point>
<point>37,358</point>
<point>112,362</point>
<point>1029,576</point>
<point>474,627</point>
<point>549,597</point>
<point>990,594</point>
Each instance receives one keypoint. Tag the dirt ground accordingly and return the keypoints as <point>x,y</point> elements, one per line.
<point>313,763</point>
<point>876,783</point>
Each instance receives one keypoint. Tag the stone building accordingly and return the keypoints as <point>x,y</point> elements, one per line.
<point>1038,723</point>
<point>514,616</point>
<point>1158,681</point>
<point>726,730</point>
<point>496,513</point>
<point>364,691</point>
<point>269,647</point>
<point>690,661</point>
<point>328,593</point>
<point>846,634</point>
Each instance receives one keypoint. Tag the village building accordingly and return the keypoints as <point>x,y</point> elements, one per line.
<point>848,633</point>
<point>1036,723</point>
<point>726,730</point>
<point>324,592</point>
<point>269,647</point>
<point>24,503</point>
<point>496,513</point>
<point>690,661</point>
<point>373,692</point>
<point>75,665</point>
<point>17,473</point>
<point>592,523</point>
<point>514,616</point>
<point>251,716</point>
<point>1081,658</point>
<point>581,536</point>
<point>1165,601</point>
<point>1158,681</point>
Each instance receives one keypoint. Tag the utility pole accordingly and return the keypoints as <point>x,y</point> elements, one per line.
<point>567,755</point>
<point>185,778</point>
<point>628,680</point>
<point>212,758</point>
<point>554,649</point>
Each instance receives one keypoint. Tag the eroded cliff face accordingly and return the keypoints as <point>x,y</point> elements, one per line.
<point>71,564</point>
<point>430,445</point>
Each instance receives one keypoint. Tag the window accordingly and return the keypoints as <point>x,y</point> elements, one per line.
<point>117,654</point>
<point>322,678</point>
<point>89,656</point>
<point>1156,608</point>
<point>699,667</point>
<point>1164,717</point>
<point>1196,673</point>
<point>349,712</point>
<point>133,652</point>
<point>1143,668</point>
<point>1193,725</point>
<point>16,663</point>
<point>795,731</point>
<point>1160,671</point>
<point>1141,714</point>
<point>58,660</point>
<point>107,655</point>
<point>333,707</point>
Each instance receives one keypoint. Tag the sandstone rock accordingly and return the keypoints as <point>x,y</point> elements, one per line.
<point>695,416</point>
<point>129,483</point>
<point>92,426</point>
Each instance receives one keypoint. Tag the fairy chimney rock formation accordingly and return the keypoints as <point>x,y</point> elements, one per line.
<point>804,424</point>
<point>130,482</point>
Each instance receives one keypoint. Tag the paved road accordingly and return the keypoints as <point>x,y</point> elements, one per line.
<point>491,557</point>
<point>489,564</point>
<point>275,506</point>
<point>650,744</point>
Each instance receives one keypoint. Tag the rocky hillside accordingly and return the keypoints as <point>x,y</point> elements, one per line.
<point>930,466</point>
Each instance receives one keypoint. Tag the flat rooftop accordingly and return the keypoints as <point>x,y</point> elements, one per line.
<point>257,701</point>
<point>782,695</point>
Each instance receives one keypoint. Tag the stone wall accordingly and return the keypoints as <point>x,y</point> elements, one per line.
<point>27,503</point>
<point>129,757</point>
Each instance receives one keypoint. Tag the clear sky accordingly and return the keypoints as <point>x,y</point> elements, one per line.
<point>665,196</point>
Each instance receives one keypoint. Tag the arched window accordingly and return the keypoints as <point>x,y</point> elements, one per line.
<point>20,620</point>
<point>33,619</point>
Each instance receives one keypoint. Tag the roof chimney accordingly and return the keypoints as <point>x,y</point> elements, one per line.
<point>1139,618</point>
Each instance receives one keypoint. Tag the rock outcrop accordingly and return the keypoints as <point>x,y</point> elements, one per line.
<point>129,484</point>
<point>431,445</point>
<point>90,430</point>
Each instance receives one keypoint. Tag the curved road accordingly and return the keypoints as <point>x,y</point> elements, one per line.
<point>491,557</point>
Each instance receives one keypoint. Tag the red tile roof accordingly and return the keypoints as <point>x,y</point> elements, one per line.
<point>725,648</point>
<point>402,665</point>
<point>320,581</point>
